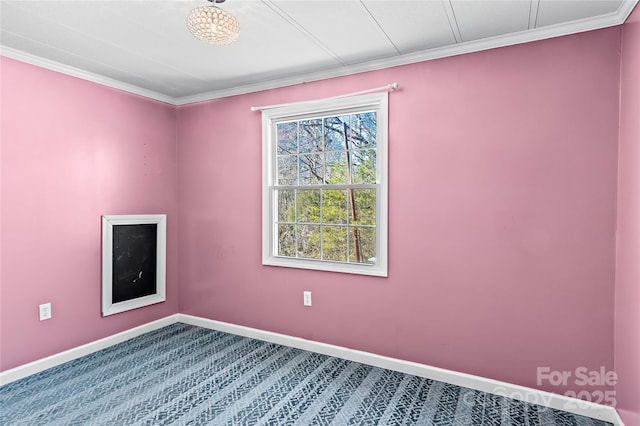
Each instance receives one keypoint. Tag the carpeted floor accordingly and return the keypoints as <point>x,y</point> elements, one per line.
<point>185,375</point>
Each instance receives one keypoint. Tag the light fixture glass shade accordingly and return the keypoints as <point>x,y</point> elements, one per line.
<point>213,25</point>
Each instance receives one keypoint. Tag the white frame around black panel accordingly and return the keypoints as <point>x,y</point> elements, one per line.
<point>108,223</point>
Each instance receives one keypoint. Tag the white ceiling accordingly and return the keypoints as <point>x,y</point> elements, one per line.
<point>144,47</point>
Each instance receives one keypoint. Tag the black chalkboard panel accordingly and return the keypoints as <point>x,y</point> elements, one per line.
<point>134,261</point>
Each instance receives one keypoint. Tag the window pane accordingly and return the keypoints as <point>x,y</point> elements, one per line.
<point>326,173</point>
<point>334,243</point>
<point>363,166</point>
<point>286,205</point>
<point>311,169</point>
<point>362,245</point>
<point>335,131</point>
<point>287,137</point>
<point>336,168</point>
<point>334,206</point>
<point>287,240</point>
<point>308,201</point>
<point>309,241</point>
<point>311,135</point>
<point>362,206</point>
<point>363,130</point>
<point>288,170</point>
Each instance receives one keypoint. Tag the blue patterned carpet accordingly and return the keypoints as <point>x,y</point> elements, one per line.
<point>185,375</point>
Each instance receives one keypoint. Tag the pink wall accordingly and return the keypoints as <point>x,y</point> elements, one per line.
<point>627,294</point>
<point>502,215</point>
<point>72,151</point>
<point>503,170</point>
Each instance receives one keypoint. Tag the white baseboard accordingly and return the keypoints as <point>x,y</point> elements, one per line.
<point>547,399</point>
<point>34,367</point>
<point>522,393</point>
<point>618,418</point>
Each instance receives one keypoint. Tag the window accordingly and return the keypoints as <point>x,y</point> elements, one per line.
<point>325,185</point>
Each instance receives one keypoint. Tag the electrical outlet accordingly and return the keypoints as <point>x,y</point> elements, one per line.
<point>307,298</point>
<point>45,311</point>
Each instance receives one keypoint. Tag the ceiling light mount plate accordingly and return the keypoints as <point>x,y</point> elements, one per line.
<point>213,25</point>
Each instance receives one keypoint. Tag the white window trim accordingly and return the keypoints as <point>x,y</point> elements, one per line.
<point>374,102</point>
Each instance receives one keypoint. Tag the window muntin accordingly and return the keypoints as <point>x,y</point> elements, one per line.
<point>325,191</point>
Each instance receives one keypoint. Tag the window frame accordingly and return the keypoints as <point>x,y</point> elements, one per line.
<point>376,102</point>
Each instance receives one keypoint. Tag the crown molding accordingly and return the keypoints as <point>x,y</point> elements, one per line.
<point>574,27</point>
<point>19,55</point>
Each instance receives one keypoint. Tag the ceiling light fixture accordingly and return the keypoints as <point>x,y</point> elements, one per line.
<point>213,25</point>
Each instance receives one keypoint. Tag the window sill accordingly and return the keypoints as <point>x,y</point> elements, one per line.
<point>323,265</point>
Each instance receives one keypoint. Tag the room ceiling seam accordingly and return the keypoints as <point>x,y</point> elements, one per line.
<point>295,24</point>
<point>453,22</point>
<point>380,28</point>
<point>534,7</point>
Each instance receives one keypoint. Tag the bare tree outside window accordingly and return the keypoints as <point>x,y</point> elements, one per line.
<point>337,152</point>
